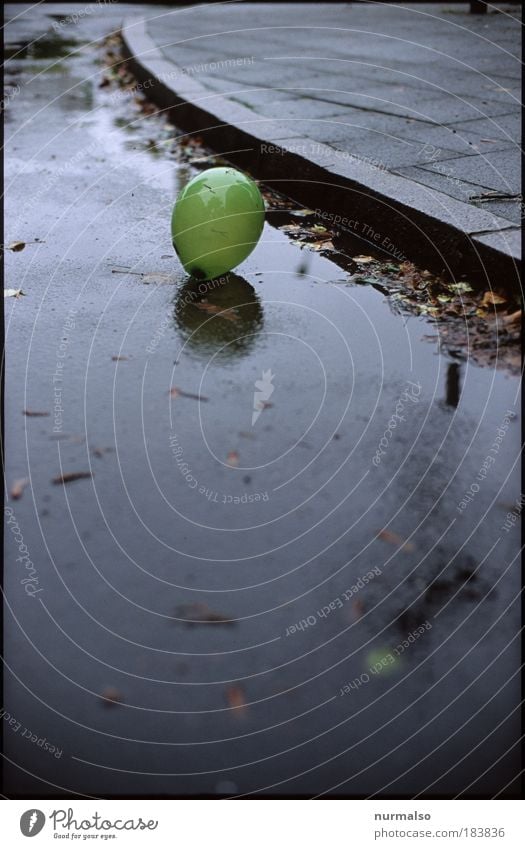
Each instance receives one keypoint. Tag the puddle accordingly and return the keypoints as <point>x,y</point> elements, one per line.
<point>230,430</point>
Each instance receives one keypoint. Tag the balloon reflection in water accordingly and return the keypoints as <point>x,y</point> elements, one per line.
<point>221,316</point>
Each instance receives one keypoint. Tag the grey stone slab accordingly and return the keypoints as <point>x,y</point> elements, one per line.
<point>499,171</point>
<point>452,108</point>
<point>507,242</point>
<point>434,203</point>
<point>450,184</point>
<point>433,139</point>
<point>388,150</point>
<point>390,100</point>
<point>429,138</point>
<point>283,103</point>
<point>507,127</point>
<point>511,209</point>
<point>443,181</point>
<point>424,104</point>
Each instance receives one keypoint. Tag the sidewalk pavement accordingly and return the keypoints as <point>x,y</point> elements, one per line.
<point>415,110</point>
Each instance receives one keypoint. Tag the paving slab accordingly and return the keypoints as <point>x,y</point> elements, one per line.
<point>499,170</point>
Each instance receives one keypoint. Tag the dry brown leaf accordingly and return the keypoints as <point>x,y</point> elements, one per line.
<point>492,299</point>
<point>199,613</point>
<point>235,697</point>
<point>513,318</point>
<point>19,246</point>
<point>233,459</point>
<point>358,608</point>
<point>212,309</point>
<point>175,392</point>
<point>111,697</point>
<point>69,477</point>
<point>327,245</point>
<point>291,228</point>
<point>117,359</point>
<point>395,539</point>
<point>18,487</point>
<point>35,413</point>
<point>363,260</point>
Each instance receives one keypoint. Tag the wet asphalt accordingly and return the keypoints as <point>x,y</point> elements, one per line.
<point>249,529</point>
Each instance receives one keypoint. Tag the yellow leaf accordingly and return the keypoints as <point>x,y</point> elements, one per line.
<point>492,299</point>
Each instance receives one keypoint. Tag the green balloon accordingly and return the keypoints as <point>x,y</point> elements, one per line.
<point>217,221</point>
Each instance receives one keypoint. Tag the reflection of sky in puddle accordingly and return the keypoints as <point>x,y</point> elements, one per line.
<point>124,139</point>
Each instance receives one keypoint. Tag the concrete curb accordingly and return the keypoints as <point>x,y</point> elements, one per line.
<point>394,212</point>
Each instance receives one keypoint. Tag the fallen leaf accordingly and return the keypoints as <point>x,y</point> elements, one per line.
<point>18,488</point>
<point>358,608</point>
<point>232,459</point>
<point>395,539</point>
<point>302,212</point>
<point>291,228</point>
<point>175,392</point>
<point>13,293</point>
<point>363,259</point>
<point>492,299</point>
<point>19,246</point>
<point>368,279</point>
<point>513,318</point>
<point>460,287</point>
<point>212,309</point>
<point>327,245</point>
<point>35,413</point>
<point>117,359</point>
<point>69,477</point>
<point>235,697</point>
<point>198,613</point>
<point>99,452</point>
<point>111,697</point>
